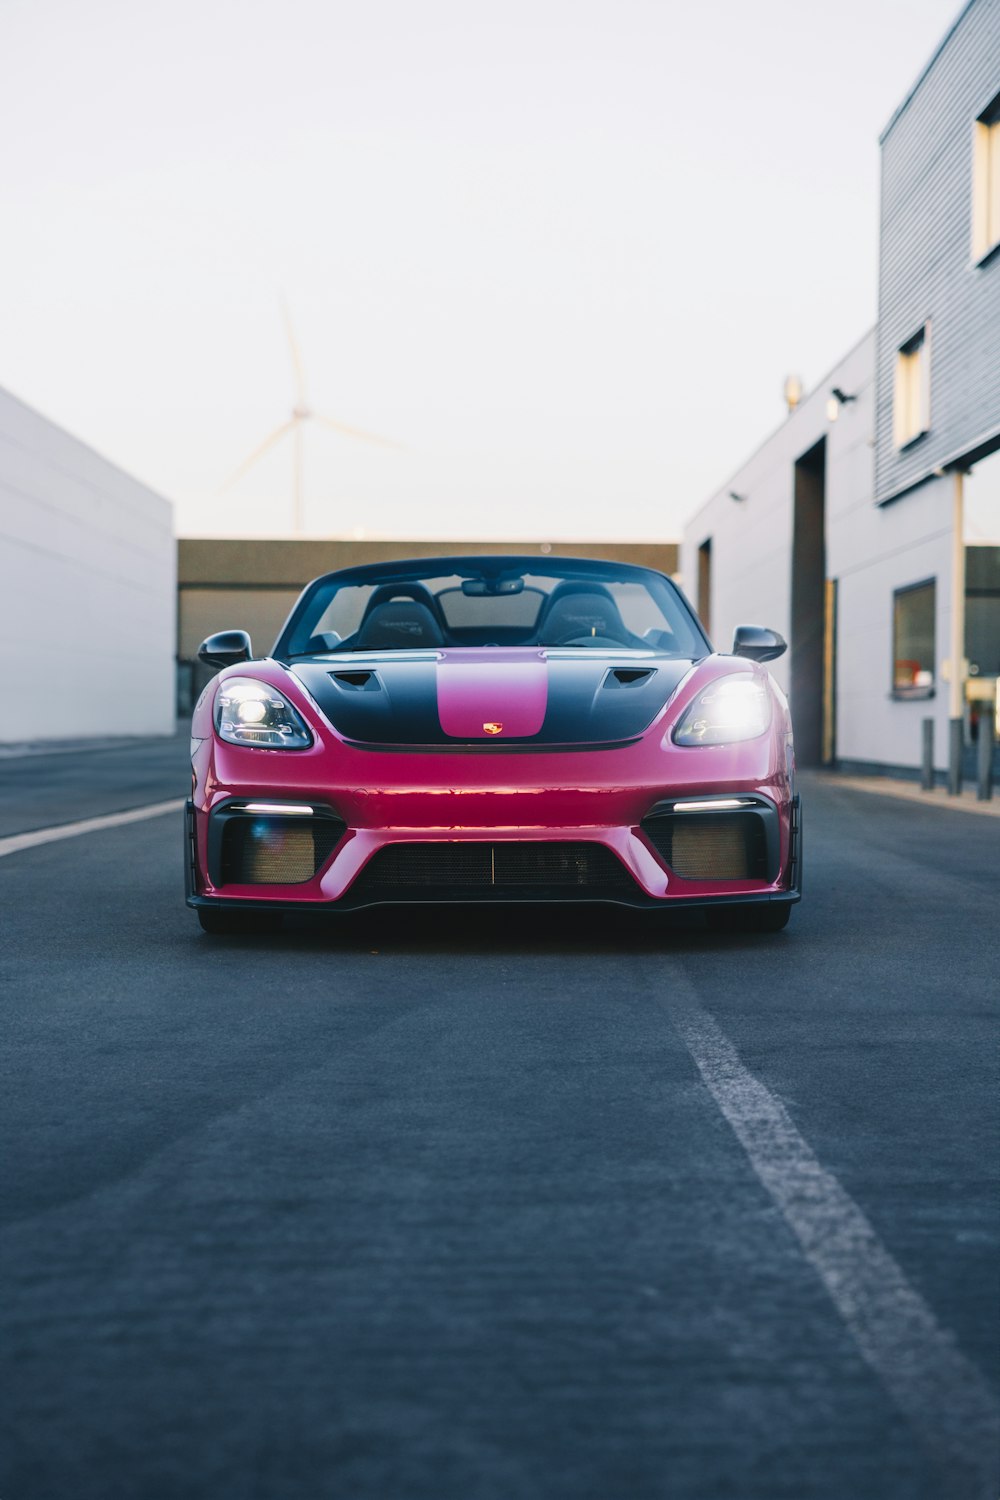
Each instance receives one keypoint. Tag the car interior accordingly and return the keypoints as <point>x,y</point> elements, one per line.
<point>504,609</point>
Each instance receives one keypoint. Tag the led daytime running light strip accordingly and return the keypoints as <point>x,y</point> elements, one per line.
<point>290,809</point>
<point>724,804</point>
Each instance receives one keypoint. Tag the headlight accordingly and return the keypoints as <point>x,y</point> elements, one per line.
<point>248,712</point>
<point>734,708</point>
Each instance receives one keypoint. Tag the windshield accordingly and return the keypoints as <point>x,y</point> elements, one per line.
<point>489,601</point>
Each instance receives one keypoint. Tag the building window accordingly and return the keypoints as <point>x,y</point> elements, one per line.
<point>912,395</point>
<point>986,181</point>
<point>913,612</point>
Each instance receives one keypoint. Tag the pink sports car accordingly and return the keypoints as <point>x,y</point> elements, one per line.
<point>467,729</point>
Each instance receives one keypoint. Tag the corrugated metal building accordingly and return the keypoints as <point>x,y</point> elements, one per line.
<point>939,266</point>
<point>847,530</point>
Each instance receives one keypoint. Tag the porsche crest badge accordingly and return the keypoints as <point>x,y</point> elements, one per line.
<point>492,727</point>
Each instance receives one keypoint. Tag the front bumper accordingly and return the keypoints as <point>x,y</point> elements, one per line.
<point>643,876</point>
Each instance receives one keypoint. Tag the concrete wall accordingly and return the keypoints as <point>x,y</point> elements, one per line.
<point>87,590</point>
<point>251,585</point>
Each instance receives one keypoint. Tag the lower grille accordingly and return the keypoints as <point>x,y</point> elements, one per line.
<point>711,846</point>
<point>276,850</point>
<point>480,870</point>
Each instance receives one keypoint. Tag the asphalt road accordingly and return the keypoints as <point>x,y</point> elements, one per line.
<point>497,1205</point>
<point>39,790</point>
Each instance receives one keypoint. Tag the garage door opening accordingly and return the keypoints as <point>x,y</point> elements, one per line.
<point>811,660</point>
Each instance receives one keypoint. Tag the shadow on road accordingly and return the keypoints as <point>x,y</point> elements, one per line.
<point>500,931</point>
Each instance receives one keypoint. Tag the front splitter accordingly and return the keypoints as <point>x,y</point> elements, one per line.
<point>535,897</point>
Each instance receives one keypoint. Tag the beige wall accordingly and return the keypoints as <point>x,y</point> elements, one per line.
<point>203,611</point>
<point>229,584</point>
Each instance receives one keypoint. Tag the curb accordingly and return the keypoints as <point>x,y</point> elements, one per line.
<point>907,791</point>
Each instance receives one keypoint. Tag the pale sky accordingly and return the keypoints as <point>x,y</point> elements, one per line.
<point>564,252</point>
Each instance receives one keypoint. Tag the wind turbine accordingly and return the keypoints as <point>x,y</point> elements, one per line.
<point>302,412</point>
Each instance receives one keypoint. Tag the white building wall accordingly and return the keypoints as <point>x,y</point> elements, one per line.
<point>870,551</point>
<point>87,590</point>
<point>751,546</point>
<point>752,537</point>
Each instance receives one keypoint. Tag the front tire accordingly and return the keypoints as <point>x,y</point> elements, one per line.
<point>771,917</point>
<point>222,923</point>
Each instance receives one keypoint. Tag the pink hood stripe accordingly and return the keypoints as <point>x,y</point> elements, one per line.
<point>492,686</point>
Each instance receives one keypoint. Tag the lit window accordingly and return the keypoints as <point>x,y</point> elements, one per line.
<point>912,396</point>
<point>913,640</point>
<point>986,181</point>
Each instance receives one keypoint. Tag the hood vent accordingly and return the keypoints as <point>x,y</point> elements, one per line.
<point>623,677</point>
<point>358,682</point>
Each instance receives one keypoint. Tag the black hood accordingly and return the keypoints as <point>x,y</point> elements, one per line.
<point>497,698</point>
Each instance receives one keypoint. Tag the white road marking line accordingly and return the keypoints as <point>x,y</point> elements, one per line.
<point>931,1381</point>
<point>19,841</point>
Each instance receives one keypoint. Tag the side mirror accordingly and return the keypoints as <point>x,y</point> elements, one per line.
<point>226,649</point>
<point>758,643</point>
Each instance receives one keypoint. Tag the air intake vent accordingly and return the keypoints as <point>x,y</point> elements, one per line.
<point>358,681</point>
<point>276,850</point>
<point>623,677</point>
<point>474,871</point>
<point>711,846</point>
